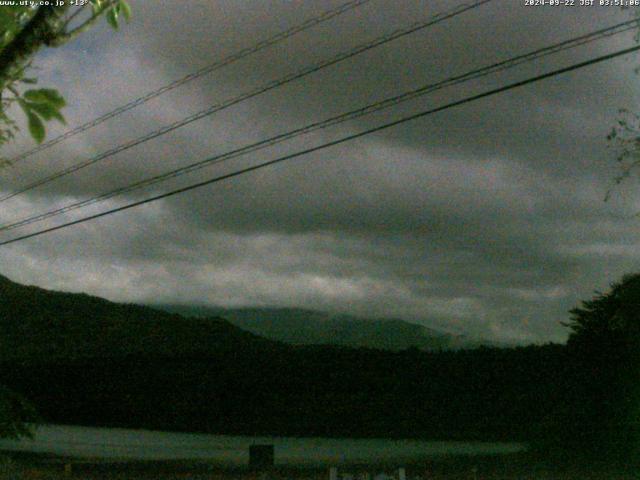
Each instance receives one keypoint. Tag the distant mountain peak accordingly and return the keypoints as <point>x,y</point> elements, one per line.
<point>300,326</point>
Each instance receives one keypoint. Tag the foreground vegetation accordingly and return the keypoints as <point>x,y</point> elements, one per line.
<point>83,360</point>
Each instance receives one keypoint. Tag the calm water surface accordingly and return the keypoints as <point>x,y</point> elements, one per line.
<point>114,443</point>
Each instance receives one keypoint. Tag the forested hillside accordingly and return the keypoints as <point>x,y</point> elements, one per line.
<point>38,324</point>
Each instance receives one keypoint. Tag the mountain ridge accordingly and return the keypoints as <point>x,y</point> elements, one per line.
<point>299,326</point>
<point>40,323</point>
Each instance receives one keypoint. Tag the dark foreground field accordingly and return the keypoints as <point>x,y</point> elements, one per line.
<point>509,467</point>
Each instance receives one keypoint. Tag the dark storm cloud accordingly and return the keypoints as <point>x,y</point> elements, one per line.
<point>485,219</point>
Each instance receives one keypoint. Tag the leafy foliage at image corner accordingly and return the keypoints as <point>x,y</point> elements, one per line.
<point>40,105</point>
<point>624,140</point>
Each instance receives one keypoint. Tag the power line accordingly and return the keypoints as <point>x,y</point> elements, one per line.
<point>250,94</point>
<point>339,141</point>
<point>268,42</point>
<point>377,106</point>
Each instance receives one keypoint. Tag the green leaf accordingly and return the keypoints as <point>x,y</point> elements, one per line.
<point>112,17</point>
<point>96,6</point>
<point>125,10</point>
<point>23,105</point>
<point>46,95</point>
<point>6,37</point>
<point>6,18</point>
<point>36,127</point>
<point>29,80</point>
<point>47,111</point>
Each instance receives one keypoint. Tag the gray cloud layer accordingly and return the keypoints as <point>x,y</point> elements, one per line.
<point>486,219</point>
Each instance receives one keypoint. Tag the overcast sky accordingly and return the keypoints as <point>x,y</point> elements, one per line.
<point>486,219</point>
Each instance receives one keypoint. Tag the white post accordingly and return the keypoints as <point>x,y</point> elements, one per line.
<point>402,474</point>
<point>333,473</point>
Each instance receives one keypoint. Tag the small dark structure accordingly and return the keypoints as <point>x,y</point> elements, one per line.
<point>261,456</point>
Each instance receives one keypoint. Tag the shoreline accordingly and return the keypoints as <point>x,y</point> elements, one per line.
<point>492,467</point>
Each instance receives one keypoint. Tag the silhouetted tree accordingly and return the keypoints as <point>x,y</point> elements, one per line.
<point>605,348</point>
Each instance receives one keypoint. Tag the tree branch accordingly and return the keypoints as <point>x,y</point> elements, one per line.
<point>42,30</point>
<point>66,36</point>
<point>74,15</point>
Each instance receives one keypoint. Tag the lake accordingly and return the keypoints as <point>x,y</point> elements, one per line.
<point>123,444</point>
